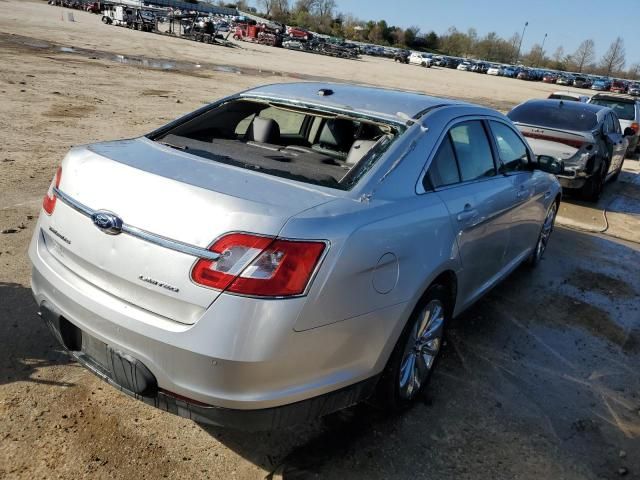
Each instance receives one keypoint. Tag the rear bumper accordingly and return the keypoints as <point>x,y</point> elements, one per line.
<point>243,355</point>
<point>133,378</point>
<point>572,182</point>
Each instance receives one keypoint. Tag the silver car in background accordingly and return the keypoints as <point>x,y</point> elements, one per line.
<point>586,138</point>
<point>287,251</point>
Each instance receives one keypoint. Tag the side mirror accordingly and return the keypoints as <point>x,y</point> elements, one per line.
<point>549,164</point>
<point>629,132</point>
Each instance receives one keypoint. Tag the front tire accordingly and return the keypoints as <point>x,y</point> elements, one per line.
<point>416,353</point>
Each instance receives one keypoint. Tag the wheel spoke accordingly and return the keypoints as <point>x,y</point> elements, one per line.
<point>406,370</point>
<point>416,380</point>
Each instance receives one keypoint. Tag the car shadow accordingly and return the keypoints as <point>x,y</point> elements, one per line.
<point>543,364</point>
<point>26,345</point>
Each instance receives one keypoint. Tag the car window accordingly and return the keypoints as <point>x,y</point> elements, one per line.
<point>444,169</point>
<point>616,123</point>
<point>472,149</point>
<point>551,115</point>
<point>624,109</point>
<point>607,126</point>
<point>511,149</point>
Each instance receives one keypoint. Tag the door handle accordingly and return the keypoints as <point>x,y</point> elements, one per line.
<point>523,192</point>
<point>467,214</point>
<point>547,195</point>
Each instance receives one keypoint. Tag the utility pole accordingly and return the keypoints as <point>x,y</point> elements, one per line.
<point>542,49</point>
<point>526,24</point>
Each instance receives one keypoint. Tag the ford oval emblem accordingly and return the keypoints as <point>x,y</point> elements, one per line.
<point>107,222</point>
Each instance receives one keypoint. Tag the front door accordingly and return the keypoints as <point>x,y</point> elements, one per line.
<point>464,175</point>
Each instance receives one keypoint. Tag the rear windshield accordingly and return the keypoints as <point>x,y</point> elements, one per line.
<point>558,96</point>
<point>310,146</point>
<point>624,109</point>
<point>553,115</point>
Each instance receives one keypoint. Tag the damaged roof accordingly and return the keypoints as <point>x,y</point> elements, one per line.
<point>381,102</point>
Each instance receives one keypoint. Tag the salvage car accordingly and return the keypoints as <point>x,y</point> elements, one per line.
<point>582,82</point>
<point>401,56</point>
<point>634,90</point>
<point>419,58</point>
<point>254,263</point>
<point>586,138</point>
<point>627,109</point>
<point>618,86</point>
<point>601,84</point>
<point>565,79</point>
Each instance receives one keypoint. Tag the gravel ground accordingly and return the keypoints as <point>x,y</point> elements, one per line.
<point>539,380</point>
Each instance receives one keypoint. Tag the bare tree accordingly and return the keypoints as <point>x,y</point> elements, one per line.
<point>614,59</point>
<point>304,5</point>
<point>325,8</point>
<point>584,55</point>
<point>558,55</point>
<point>266,6</point>
<point>634,71</point>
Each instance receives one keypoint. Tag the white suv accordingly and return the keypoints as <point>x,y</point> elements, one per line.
<point>419,58</point>
<point>627,108</point>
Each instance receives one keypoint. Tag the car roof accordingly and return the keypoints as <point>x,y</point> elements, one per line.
<point>395,105</point>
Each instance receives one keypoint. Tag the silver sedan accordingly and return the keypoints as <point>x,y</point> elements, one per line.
<point>286,251</point>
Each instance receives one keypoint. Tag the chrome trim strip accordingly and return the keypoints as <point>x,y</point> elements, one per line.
<point>140,233</point>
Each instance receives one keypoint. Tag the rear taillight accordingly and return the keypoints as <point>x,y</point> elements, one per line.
<point>259,266</point>
<point>49,201</point>
<point>635,127</point>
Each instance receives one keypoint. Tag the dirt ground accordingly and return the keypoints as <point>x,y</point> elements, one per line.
<point>539,380</point>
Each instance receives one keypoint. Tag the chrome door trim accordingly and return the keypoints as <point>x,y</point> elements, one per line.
<point>141,234</point>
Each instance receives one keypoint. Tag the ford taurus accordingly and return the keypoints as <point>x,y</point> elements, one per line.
<point>286,251</point>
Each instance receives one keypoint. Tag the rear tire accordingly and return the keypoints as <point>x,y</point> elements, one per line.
<point>592,190</point>
<point>545,234</point>
<point>416,353</point>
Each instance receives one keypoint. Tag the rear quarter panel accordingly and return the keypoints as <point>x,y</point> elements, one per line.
<point>381,253</point>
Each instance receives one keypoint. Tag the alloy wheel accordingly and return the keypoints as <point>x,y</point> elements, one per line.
<point>547,228</point>
<point>422,348</point>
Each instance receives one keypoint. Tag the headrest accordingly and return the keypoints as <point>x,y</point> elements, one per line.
<point>264,130</point>
<point>336,133</point>
<point>358,150</point>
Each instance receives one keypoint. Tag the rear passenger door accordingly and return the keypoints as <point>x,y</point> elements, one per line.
<point>463,174</point>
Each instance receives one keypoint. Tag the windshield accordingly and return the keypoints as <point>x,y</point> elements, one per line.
<point>624,109</point>
<point>553,115</point>
<point>310,146</point>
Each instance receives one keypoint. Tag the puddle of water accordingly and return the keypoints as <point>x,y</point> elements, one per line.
<point>153,63</point>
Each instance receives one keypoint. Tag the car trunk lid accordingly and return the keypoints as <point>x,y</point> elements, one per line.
<point>568,138</point>
<point>166,194</point>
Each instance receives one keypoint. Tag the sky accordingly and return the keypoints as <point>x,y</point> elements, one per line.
<point>566,22</point>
